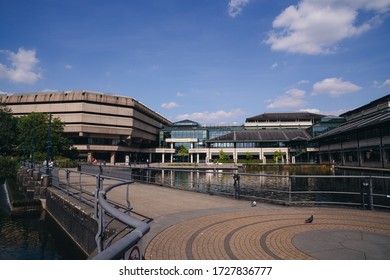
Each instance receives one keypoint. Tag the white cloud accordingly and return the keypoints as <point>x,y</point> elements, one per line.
<point>313,110</point>
<point>180,94</point>
<point>291,98</point>
<point>169,105</point>
<point>68,66</point>
<point>316,26</point>
<point>301,82</point>
<point>275,65</point>
<point>50,90</point>
<point>219,117</point>
<point>235,7</point>
<point>377,84</point>
<point>334,87</point>
<point>23,67</point>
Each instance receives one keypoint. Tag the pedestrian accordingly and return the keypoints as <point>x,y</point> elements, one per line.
<point>236,185</point>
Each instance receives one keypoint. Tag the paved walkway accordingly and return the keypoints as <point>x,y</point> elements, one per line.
<point>190,225</point>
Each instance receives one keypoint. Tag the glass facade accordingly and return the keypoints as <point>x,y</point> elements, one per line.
<point>326,124</point>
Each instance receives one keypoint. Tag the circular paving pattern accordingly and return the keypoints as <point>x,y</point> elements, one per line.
<point>263,234</point>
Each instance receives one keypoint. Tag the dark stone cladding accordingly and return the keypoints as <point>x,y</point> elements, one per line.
<point>79,224</point>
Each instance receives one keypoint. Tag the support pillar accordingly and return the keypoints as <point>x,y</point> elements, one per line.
<point>112,158</point>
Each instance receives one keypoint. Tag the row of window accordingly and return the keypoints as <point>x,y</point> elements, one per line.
<point>249,145</point>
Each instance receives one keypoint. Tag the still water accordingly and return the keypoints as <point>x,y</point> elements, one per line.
<point>280,184</point>
<point>33,237</point>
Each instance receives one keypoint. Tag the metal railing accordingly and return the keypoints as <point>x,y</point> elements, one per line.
<point>367,192</point>
<point>88,188</point>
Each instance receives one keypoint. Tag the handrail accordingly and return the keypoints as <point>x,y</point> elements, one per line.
<point>103,209</point>
<point>118,249</point>
<point>281,189</point>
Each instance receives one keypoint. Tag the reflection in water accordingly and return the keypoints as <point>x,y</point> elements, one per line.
<point>32,237</point>
<point>279,184</point>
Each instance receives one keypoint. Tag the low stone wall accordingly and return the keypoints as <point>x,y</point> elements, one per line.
<point>32,183</point>
<point>75,220</point>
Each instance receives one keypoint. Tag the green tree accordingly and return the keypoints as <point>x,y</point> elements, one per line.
<point>248,156</point>
<point>223,156</point>
<point>33,134</point>
<point>7,131</point>
<point>8,168</point>
<point>182,151</point>
<point>278,156</point>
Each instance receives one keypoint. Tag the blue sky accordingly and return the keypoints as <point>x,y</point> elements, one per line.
<point>212,61</point>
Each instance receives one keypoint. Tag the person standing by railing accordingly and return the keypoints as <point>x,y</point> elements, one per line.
<point>236,185</point>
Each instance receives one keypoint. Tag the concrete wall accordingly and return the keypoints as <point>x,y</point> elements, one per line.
<point>77,222</point>
<point>95,116</point>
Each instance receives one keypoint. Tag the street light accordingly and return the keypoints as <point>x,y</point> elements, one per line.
<point>48,148</point>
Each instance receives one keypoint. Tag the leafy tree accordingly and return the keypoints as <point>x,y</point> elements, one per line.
<point>278,156</point>
<point>33,135</point>
<point>7,131</point>
<point>8,168</point>
<point>182,151</point>
<point>223,156</point>
<point>249,156</point>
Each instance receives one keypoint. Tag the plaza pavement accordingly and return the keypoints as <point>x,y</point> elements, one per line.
<point>190,225</point>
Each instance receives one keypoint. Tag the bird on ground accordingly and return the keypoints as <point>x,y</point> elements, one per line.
<point>254,203</point>
<point>309,220</point>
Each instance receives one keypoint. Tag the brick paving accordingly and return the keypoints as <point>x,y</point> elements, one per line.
<point>193,226</point>
<point>258,234</point>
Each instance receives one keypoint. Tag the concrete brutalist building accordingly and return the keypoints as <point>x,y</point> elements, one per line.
<point>107,127</point>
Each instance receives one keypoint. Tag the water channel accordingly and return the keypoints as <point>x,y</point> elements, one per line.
<point>39,238</point>
<point>294,185</point>
<point>35,237</point>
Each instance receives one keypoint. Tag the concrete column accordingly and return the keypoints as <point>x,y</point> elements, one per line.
<point>112,158</point>
<point>163,158</point>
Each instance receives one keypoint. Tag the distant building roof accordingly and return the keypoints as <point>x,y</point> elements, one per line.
<point>377,119</point>
<point>285,117</point>
<point>376,105</point>
<point>186,123</point>
<point>264,135</point>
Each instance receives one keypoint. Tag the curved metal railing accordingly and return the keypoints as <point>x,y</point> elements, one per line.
<point>118,249</point>
<point>286,189</point>
<point>88,188</point>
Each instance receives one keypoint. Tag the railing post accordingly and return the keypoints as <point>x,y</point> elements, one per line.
<point>97,189</point>
<point>80,186</point>
<point>67,181</point>
<point>99,216</point>
<point>370,195</point>
<point>289,190</point>
<point>127,197</point>
<point>365,186</point>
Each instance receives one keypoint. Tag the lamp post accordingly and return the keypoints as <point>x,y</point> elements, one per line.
<point>24,154</point>
<point>48,148</point>
<point>32,149</point>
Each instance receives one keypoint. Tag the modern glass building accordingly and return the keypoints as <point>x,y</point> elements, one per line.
<point>288,135</point>
<point>363,140</point>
